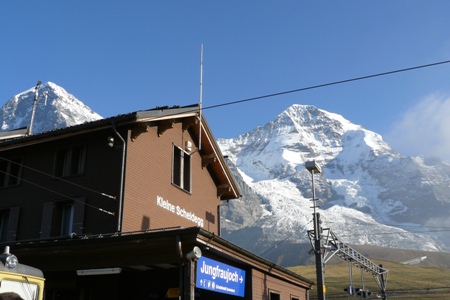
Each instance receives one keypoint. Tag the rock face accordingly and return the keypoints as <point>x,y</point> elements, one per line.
<point>369,193</point>
<point>58,109</point>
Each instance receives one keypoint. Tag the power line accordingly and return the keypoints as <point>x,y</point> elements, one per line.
<point>398,233</point>
<point>316,86</point>
<point>283,240</point>
<point>418,226</point>
<point>273,95</point>
<point>437,229</point>
<point>328,84</point>
<point>57,178</point>
<point>309,88</point>
<point>61,194</point>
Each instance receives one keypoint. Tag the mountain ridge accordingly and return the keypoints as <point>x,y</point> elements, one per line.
<point>368,193</point>
<point>365,186</point>
<point>61,110</point>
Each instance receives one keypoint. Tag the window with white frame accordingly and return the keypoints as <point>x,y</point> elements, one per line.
<point>181,169</point>
<point>274,295</point>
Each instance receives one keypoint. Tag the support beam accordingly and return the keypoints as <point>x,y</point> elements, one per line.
<point>164,125</point>
<point>188,122</point>
<point>225,188</point>
<point>137,130</point>
<point>333,246</point>
<point>207,159</point>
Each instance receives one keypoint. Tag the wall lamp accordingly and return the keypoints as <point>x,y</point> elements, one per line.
<point>105,271</point>
<point>110,141</point>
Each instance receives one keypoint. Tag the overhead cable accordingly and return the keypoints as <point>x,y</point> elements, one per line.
<point>58,178</point>
<point>61,194</point>
<point>328,84</point>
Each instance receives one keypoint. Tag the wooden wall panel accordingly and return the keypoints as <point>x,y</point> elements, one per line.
<point>149,178</point>
<point>263,283</point>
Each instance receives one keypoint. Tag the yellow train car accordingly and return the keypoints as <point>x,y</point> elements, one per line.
<point>19,281</point>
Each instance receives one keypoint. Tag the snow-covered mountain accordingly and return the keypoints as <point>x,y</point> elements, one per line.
<point>55,109</point>
<point>369,194</point>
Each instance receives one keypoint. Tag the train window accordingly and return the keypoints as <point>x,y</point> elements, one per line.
<point>24,289</point>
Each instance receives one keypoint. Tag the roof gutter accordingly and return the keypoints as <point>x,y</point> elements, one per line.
<point>122,178</point>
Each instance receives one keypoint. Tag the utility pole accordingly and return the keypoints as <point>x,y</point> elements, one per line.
<point>332,245</point>
<point>36,95</point>
<point>383,283</point>
<point>313,168</point>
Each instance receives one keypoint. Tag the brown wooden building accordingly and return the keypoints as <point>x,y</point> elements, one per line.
<point>127,198</point>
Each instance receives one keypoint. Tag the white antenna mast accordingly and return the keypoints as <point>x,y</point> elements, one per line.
<point>201,99</point>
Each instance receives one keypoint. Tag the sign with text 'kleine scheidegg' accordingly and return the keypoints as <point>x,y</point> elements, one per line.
<point>219,277</point>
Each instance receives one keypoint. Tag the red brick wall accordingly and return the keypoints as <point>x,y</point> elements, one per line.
<point>149,176</point>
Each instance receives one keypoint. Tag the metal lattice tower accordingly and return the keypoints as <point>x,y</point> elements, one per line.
<point>333,246</point>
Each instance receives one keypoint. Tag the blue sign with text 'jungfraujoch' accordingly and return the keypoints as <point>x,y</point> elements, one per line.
<point>219,277</point>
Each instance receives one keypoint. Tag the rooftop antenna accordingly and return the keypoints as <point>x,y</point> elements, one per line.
<point>201,98</point>
<point>36,95</point>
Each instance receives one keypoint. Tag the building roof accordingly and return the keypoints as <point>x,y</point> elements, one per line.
<point>163,117</point>
<point>165,247</point>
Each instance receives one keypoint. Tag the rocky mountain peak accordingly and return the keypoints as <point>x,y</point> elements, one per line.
<point>368,193</point>
<point>56,108</point>
<point>365,186</point>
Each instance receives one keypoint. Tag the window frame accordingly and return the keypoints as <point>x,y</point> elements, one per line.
<point>67,211</point>
<point>53,220</point>
<point>70,160</point>
<point>11,171</point>
<point>274,293</point>
<point>4,220</point>
<point>181,169</point>
<point>9,218</point>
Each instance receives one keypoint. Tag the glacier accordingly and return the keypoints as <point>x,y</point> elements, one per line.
<point>368,193</point>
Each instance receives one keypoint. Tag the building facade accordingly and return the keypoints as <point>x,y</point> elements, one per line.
<point>129,199</point>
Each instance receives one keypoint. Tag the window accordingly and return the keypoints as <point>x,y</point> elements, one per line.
<point>10,172</point>
<point>66,219</point>
<point>8,224</point>
<point>62,218</point>
<point>295,298</point>
<point>4,218</point>
<point>181,169</point>
<point>70,161</point>
<point>274,295</point>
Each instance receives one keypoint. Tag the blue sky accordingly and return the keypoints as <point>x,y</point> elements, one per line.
<point>124,56</point>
